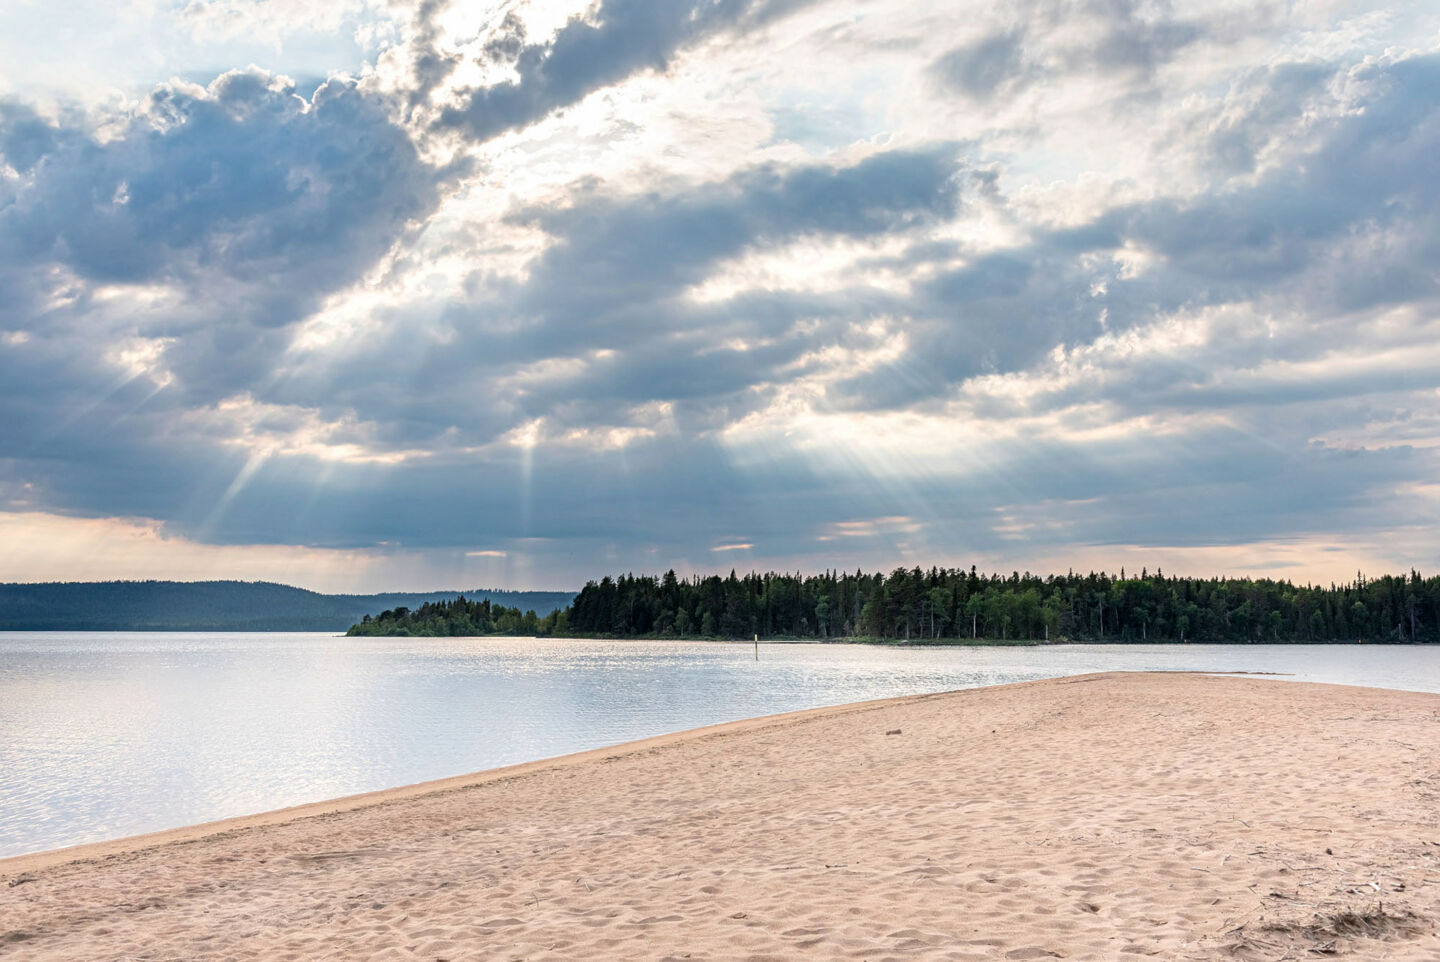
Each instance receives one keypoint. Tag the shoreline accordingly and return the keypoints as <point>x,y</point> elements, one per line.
<point>1177,815</point>
<point>13,865</point>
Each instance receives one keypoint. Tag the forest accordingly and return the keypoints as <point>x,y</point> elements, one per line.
<point>952,604</point>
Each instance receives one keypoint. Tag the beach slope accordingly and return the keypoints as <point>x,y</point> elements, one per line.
<point>1099,817</point>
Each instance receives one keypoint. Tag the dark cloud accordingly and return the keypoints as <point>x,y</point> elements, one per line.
<point>507,42</point>
<point>244,181</point>
<point>615,40</point>
<point>1134,39</point>
<point>610,251</point>
<point>25,137</point>
<point>1054,42</point>
<point>250,201</point>
<point>985,68</point>
<point>430,65</point>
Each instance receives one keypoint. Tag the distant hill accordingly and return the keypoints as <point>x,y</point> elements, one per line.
<point>220,605</point>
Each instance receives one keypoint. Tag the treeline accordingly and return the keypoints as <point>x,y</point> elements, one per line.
<point>915,605</point>
<point>461,617</point>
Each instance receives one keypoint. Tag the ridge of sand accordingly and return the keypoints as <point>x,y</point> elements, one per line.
<point>1091,817</point>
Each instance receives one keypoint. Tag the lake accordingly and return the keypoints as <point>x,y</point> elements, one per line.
<point>104,735</point>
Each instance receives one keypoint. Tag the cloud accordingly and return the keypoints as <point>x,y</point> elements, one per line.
<point>1316,233</point>
<point>1097,279</point>
<point>25,137</point>
<point>610,295</point>
<point>241,183</point>
<point>617,39</point>
<point>223,214</point>
<point>984,68</point>
<point>1090,42</point>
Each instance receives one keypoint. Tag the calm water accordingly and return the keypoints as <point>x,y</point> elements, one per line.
<point>106,735</point>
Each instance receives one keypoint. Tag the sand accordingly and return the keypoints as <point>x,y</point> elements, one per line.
<point>1100,817</point>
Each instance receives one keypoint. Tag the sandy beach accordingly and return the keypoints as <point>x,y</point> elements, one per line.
<point>1098,817</point>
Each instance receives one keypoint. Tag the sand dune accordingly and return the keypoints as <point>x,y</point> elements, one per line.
<point>1100,817</point>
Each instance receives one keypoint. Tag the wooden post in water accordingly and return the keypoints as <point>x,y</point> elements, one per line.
<point>757,647</point>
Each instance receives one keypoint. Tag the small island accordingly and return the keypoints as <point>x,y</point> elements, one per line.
<point>460,618</point>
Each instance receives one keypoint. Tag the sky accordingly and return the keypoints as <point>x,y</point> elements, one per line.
<point>363,295</point>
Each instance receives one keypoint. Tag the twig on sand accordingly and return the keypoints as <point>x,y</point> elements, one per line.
<point>1241,920</point>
